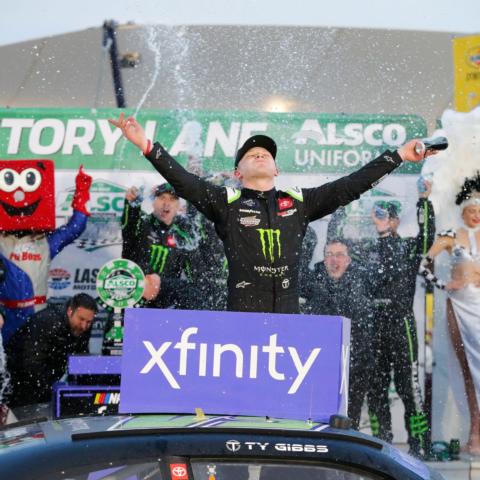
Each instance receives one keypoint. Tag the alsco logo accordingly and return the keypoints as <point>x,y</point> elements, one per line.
<point>270,241</point>
<point>158,257</point>
<point>106,199</point>
<point>120,283</point>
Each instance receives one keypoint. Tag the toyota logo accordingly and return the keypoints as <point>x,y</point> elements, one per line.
<point>179,471</point>
<point>233,445</point>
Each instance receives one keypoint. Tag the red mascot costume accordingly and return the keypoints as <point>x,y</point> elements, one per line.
<point>28,238</point>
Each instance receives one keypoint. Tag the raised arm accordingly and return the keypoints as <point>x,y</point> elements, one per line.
<point>327,198</point>
<point>63,236</point>
<point>209,199</point>
<point>445,241</point>
<point>426,221</point>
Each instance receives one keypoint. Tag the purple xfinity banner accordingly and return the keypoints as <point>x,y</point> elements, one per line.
<point>286,366</point>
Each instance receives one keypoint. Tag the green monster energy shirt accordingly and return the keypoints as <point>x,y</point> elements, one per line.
<point>154,246</point>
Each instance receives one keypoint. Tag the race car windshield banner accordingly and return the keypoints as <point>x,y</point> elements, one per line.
<point>175,361</point>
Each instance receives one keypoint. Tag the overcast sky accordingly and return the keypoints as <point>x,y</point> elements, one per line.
<point>22,20</point>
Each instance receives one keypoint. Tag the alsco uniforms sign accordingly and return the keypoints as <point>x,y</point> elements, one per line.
<point>308,142</point>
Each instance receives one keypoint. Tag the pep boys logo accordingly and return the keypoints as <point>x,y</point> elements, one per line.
<point>209,359</point>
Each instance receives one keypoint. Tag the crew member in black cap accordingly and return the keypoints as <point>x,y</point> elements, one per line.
<point>161,244</point>
<point>262,228</point>
<point>391,264</point>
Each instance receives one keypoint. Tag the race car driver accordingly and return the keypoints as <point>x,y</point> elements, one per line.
<point>262,228</point>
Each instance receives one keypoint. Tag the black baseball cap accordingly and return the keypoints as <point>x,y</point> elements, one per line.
<point>164,188</point>
<point>256,141</point>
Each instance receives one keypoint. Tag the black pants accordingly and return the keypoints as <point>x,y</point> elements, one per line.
<point>395,348</point>
<point>360,376</point>
<point>251,299</point>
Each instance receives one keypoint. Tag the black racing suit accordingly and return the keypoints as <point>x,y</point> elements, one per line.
<point>262,232</point>
<point>209,274</point>
<point>345,296</point>
<point>392,263</point>
<point>162,249</point>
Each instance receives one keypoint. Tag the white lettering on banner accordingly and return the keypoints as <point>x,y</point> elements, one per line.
<point>272,350</point>
<point>332,158</point>
<point>150,129</point>
<point>202,364</point>
<point>302,369</point>
<point>310,129</point>
<point>353,134</point>
<point>65,134</point>
<point>216,134</point>
<point>253,361</point>
<point>16,126</point>
<point>157,360</point>
<point>58,130</point>
<point>184,346</point>
<point>73,139</point>
<point>111,137</point>
<point>394,134</point>
<point>369,134</point>
<point>188,139</point>
<point>229,347</point>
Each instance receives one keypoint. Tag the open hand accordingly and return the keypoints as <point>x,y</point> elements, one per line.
<point>131,130</point>
<point>132,194</point>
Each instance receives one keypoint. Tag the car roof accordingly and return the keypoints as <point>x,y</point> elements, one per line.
<point>66,427</point>
<point>101,437</point>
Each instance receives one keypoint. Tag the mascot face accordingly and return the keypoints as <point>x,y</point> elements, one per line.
<point>27,195</point>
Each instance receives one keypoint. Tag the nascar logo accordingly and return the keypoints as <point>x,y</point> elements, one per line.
<point>474,56</point>
<point>107,398</point>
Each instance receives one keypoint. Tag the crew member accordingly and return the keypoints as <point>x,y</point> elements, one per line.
<point>392,263</point>
<point>162,245</point>
<point>38,352</point>
<point>336,287</point>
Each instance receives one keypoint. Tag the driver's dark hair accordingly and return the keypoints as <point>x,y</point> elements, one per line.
<point>82,300</point>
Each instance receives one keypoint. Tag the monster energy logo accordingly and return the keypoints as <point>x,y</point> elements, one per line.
<point>158,257</point>
<point>268,238</point>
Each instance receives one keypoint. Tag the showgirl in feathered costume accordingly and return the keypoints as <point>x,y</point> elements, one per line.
<point>463,289</point>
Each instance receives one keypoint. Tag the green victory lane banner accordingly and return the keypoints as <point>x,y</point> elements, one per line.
<point>307,142</point>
